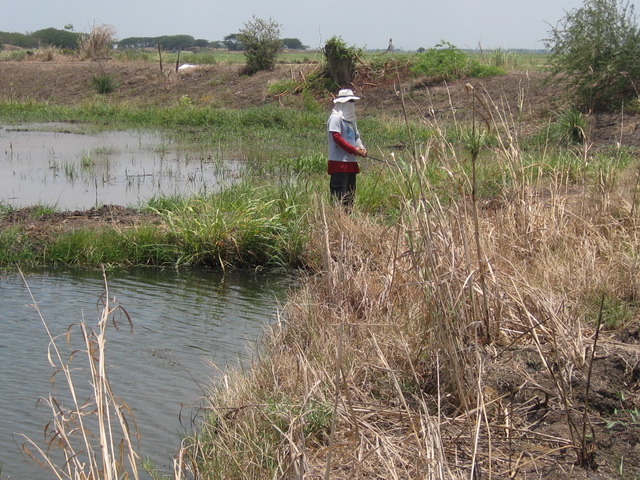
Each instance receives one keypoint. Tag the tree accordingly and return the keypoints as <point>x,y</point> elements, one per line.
<point>293,44</point>
<point>57,38</point>
<point>595,50</point>
<point>261,40</point>
<point>232,42</point>
<point>18,40</point>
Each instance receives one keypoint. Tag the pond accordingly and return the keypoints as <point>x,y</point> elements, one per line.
<point>71,167</point>
<point>187,327</point>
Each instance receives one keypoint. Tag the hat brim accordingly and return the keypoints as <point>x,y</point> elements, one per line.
<point>345,99</point>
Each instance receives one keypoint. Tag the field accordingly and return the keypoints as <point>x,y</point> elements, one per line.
<point>475,316</point>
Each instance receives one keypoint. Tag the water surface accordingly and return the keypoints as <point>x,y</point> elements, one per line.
<point>70,167</point>
<point>186,326</point>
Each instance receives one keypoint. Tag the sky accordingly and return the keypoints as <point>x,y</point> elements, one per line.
<point>367,24</point>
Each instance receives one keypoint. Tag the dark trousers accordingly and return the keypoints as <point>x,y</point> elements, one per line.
<point>343,188</point>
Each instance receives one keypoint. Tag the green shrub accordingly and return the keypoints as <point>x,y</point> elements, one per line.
<point>104,84</point>
<point>261,39</point>
<point>595,51</point>
<point>446,62</point>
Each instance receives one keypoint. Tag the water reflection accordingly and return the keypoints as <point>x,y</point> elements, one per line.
<point>183,323</point>
<point>61,165</point>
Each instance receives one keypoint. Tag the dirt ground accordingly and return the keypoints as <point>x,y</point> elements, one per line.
<point>523,96</point>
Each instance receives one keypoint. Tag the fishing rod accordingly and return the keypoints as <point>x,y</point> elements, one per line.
<point>386,162</point>
<point>376,159</point>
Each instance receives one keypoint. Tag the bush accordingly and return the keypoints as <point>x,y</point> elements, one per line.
<point>98,43</point>
<point>261,39</point>
<point>446,62</point>
<point>595,50</point>
<point>104,84</point>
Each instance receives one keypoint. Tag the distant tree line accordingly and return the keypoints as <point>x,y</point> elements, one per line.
<point>47,37</point>
<point>67,39</point>
<point>167,42</point>
<point>232,42</point>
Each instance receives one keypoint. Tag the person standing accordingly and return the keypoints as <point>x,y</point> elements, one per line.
<point>344,146</point>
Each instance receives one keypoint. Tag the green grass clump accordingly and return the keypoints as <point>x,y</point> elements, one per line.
<point>104,84</point>
<point>16,248</point>
<point>280,87</point>
<point>142,246</point>
<point>243,226</point>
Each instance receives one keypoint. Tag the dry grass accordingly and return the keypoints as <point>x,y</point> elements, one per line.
<point>439,347</point>
<point>98,43</point>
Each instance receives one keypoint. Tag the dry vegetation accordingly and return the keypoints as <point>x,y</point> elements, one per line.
<point>92,433</point>
<point>466,341</point>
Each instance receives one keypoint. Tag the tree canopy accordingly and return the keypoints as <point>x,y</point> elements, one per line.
<point>293,44</point>
<point>57,38</point>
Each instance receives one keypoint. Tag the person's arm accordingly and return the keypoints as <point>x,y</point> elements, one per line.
<point>346,146</point>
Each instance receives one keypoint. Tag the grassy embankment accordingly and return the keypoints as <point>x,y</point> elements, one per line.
<point>242,226</point>
<point>468,280</point>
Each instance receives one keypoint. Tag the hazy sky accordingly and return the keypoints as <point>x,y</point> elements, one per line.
<point>363,23</point>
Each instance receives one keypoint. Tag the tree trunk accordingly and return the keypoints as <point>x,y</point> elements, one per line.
<point>341,70</point>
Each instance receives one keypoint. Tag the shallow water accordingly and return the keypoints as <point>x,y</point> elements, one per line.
<point>183,323</point>
<point>63,166</point>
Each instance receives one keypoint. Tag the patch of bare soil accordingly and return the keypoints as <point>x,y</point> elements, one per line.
<point>585,427</point>
<point>142,83</point>
<point>43,226</point>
